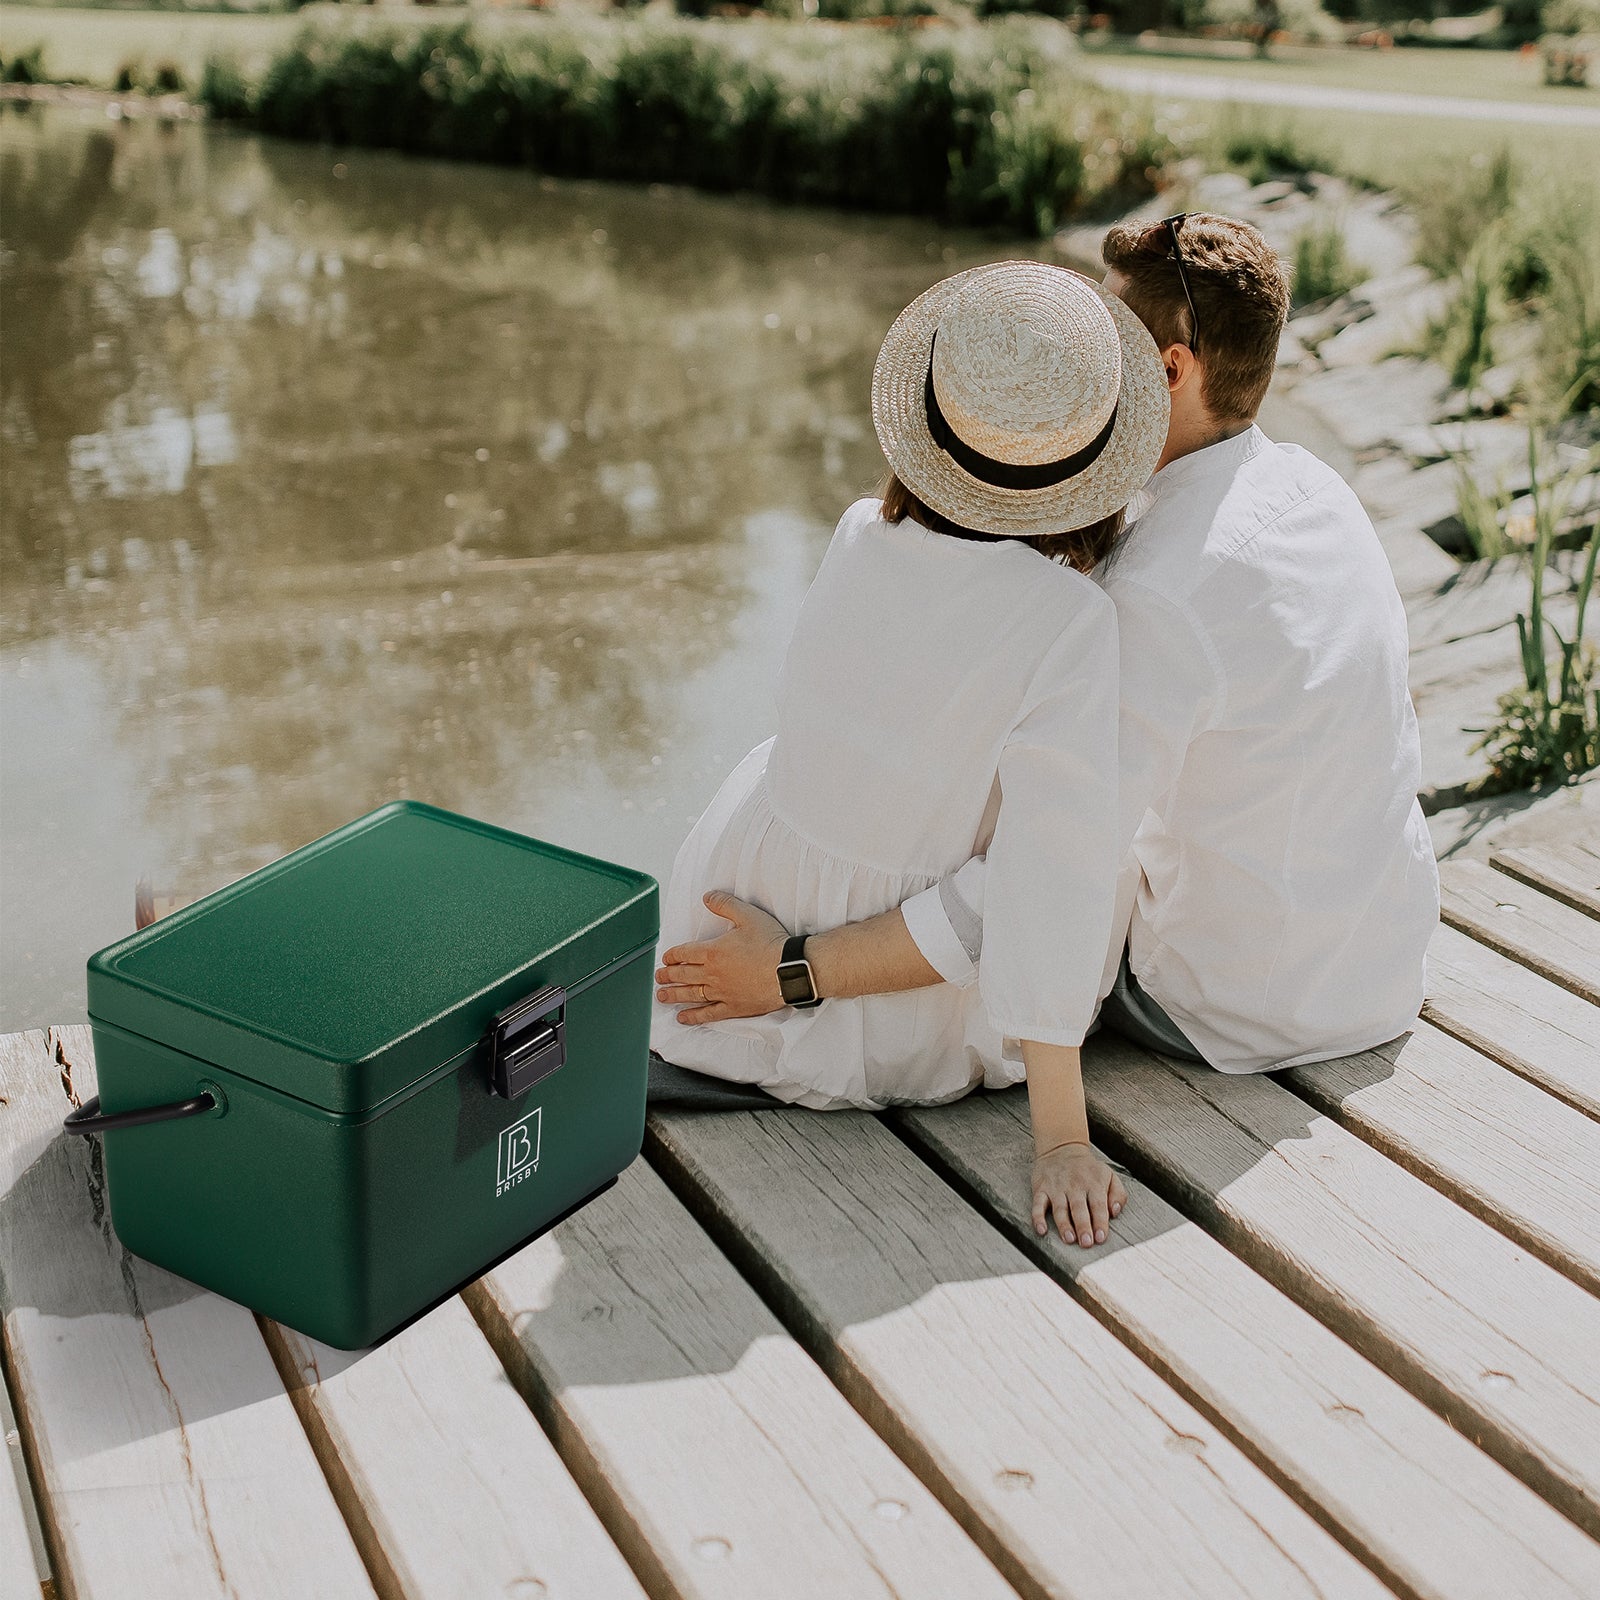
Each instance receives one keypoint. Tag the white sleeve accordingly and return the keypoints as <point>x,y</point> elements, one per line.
<point>1049,888</point>
<point>946,922</point>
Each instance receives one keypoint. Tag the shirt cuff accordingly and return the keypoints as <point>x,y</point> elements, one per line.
<point>930,930</point>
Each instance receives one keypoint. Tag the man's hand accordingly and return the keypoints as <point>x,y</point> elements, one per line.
<point>733,975</point>
<point>1081,1189</point>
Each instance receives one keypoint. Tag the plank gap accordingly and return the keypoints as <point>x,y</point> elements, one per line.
<point>1304,1085</point>
<point>1524,924</point>
<point>786,1305</point>
<point>21,1464</point>
<point>385,1580</point>
<point>1121,1329</point>
<point>569,1443</point>
<point>1278,1268</point>
<point>1568,873</point>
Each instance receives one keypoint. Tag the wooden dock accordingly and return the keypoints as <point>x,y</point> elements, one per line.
<point>1345,1342</point>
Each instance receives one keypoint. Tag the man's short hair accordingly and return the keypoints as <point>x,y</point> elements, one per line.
<point>1241,296</point>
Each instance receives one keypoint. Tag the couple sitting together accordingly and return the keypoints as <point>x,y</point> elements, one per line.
<point>1097,712</point>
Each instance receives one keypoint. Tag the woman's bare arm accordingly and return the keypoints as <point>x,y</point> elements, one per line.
<point>736,973</point>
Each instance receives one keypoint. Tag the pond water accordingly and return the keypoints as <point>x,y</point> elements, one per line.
<point>331,477</point>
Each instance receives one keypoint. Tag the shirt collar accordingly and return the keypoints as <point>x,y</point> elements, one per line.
<point>1226,456</point>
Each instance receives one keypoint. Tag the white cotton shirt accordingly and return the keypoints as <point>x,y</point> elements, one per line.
<point>940,696</point>
<point>1279,888</point>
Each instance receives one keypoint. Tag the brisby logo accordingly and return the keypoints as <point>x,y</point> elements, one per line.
<point>519,1152</point>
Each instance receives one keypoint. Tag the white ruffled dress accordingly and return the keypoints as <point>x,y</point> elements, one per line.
<point>941,698</point>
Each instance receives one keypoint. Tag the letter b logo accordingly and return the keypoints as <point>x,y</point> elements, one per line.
<point>519,1152</point>
<point>521,1149</point>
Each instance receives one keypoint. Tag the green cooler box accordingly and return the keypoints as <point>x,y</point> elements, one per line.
<point>343,1087</point>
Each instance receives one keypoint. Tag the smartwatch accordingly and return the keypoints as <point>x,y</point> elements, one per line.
<point>795,981</point>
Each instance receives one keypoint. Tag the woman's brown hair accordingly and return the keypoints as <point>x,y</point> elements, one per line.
<point>1083,549</point>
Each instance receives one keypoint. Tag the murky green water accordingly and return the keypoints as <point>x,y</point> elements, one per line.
<point>332,477</point>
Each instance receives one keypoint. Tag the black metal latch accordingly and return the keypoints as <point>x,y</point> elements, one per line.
<point>527,1042</point>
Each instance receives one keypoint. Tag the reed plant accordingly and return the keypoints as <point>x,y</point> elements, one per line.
<point>1548,729</point>
<point>1323,269</point>
<point>1481,512</point>
<point>980,125</point>
<point>1463,335</point>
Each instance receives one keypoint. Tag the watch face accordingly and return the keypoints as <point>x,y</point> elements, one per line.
<point>794,982</point>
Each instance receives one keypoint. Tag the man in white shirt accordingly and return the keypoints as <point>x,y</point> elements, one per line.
<point>1278,887</point>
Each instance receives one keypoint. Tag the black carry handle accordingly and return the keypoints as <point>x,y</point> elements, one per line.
<point>527,1042</point>
<point>89,1118</point>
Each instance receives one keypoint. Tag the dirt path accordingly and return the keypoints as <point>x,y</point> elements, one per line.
<point>1306,97</point>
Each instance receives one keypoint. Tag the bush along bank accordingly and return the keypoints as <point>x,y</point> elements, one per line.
<point>983,126</point>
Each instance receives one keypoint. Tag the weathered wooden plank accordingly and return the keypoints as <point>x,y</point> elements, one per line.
<point>1568,871</point>
<point>1492,655</point>
<point>1520,922</point>
<point>18,1578</point>
<point>1502,1147</point>
<point>446,1480</point>
<point>719,1456</point>
<point>1539,1030</point>
<point>1079,1469</point>
<point>1425,1508</point>
<point>1496,1341</point>
<point>1449,717</point>
<point>168,1459</point>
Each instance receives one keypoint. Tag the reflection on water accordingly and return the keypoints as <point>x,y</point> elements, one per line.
<point>336,476</point>
<point>331,477</point>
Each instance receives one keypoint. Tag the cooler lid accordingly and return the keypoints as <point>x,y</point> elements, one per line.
<point>357,964</point>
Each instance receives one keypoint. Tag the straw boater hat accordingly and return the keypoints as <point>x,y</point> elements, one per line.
<point>1020,399</point>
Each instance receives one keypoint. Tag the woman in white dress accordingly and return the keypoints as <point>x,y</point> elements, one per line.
<point>951,690</point>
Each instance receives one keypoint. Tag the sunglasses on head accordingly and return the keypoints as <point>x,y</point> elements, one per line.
<point>1172,225</point>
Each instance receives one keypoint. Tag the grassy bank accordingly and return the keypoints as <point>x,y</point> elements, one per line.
<point>979,125</point>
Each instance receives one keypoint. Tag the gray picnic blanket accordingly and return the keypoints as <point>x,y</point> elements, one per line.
<point>697,1091</point>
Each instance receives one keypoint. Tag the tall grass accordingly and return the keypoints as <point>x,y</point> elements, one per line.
<point>1548,730</point>
<point>1520,251</point>
<point>983,125</point>
<point>1263,148</point>
<point>1463,335</point>
<point>1323,269</point>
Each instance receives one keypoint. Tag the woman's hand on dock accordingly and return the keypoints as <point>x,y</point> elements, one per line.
<point>733,975</point>
<point>1081,1189</point>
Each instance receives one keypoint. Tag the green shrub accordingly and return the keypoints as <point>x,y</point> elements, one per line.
<point>26,67</point>
<point>979,125</point>
<point>223,88</point>
<point>1572,16</point>
<point>1322,267</point>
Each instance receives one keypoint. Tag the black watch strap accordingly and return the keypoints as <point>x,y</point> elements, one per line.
<point>795,981</point>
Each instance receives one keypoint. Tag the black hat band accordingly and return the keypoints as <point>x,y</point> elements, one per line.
<point>1006,474</point>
